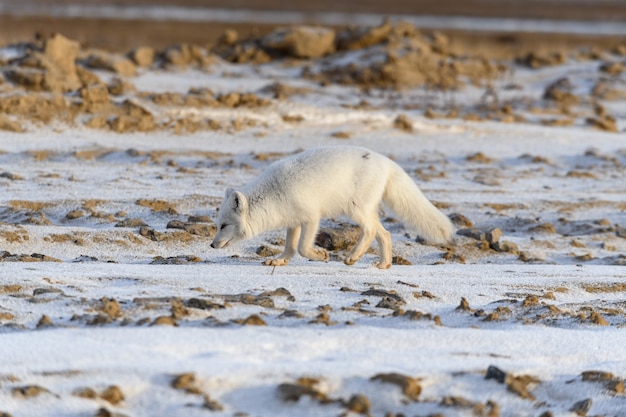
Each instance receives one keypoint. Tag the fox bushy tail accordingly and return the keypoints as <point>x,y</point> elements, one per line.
<point>406,200</point>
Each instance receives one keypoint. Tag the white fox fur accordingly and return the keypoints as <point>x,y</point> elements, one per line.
<point>298,191</point>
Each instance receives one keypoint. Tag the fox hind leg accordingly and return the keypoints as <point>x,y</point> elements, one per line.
<point>383,237</point>
<point>291,244</point>
<point>305,245</point>
<point>368,232</point>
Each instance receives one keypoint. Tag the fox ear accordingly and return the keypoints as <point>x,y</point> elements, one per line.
<point>239,202</point>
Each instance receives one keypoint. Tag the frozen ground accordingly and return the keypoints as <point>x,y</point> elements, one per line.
<point>114,304</point>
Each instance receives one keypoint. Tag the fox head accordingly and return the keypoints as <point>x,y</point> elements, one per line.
<point>232,220</point>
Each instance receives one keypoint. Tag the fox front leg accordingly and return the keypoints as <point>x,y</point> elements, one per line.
<point>291,246</point>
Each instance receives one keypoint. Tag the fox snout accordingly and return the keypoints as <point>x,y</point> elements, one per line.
<point>219,244</point>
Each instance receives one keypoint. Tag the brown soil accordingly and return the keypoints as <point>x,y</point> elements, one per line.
<point>124,35</point>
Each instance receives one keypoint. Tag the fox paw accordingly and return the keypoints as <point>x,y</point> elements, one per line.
<point>276,262</point>
<point>323,255</point>
<point>349,261</point>
<point>382,265</point>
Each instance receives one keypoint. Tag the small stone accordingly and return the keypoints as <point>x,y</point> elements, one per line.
<point>254,320</point>
<point>186,382</point>
<point>164,321</point>
<point>402,122</point>
<point>496,373</point>
<point>460,220</point>
<point>44,321</point>
<point>582,407</point>
<point>113,395</point>
<point>211,404</point>
<point>464,305</point>
<point>28,391</point>
<point>410,386</point>
<point>359,404</point>
<point>89,393</point>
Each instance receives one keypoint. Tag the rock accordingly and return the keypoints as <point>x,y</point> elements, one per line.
<point>403,123</point>
<point>359,404</point>
<point>60,53</point>
<point>253,320</point>
<point>334,239</point>
<point>301,41</point>
<point>28,391</point>
<point>178,55</point>
<point>612,68</point>
<point>267,251</point>
<point>119,86</point>
<point>461,220</point>
<point>143,56</point>
<point>172,260</point>
<point>29,78</point>
<point>543,228</point>
<point>113,394</point>
<point>10,125</point>
<point>410,386</point>
<point>464,305</point>
<point>537,60</point>
<point>303,387</point>
<point>111,308</point>
<point>363,37</point>
<point>496,373</point>
<point>505,246</point>
<point>491,236</point>
<point>606,122</point>
<point>203,304</point>
<point>186,382</point>
<point>390,303</point>
<point>87,77</point>
<point>561,91</point>
<point>164,321</point>
<point>133,222</point>
<point>581,408</point>
<point>211,404</point>
<point>111,62</point>
<point>95,98</point>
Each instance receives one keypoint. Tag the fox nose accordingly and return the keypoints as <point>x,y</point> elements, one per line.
<point>213,245</point>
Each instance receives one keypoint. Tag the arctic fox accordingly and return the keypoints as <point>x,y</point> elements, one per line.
<point>298,191</point>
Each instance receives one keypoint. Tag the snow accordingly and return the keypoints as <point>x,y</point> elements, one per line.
<point>241,366</point>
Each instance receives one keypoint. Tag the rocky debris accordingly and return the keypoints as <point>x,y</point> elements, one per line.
<point>359,404</point>
<point>611,383</point>
<point>460,220</point>
<point>339,238</point>
<point>582,407</point>
<point>410,386</point>
<point>266,251</point>
<point>28,391</point>
<point>176,260</point>
<point>536,60</point>
<point>489,239</point>
<point>252,320</point>
<point>205,228</point>
<point>403,123</point>
<point>561,92</point>
<point>304,386</point>
<point>113,395</point>
<point>203,304</point>
<point>300,42</point>
<point>515,384</point>
<point>10,125</point>
<point>118,64</point>
<point>49,66</point>
<point>6,256</point>
<point>142,57</point>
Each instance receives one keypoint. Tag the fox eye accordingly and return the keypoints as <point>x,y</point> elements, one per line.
<point>223,226</point>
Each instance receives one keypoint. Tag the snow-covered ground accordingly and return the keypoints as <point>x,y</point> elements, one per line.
<point>117,305</point>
